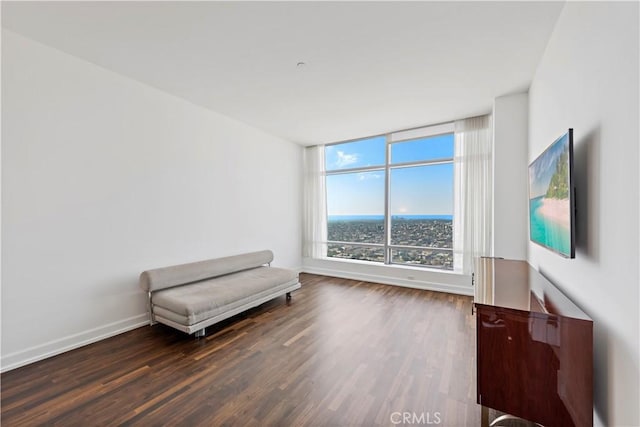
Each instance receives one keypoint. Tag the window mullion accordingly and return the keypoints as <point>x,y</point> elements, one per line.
<point>387,208</point>
<point>355,170</point>
<point>422,163</point>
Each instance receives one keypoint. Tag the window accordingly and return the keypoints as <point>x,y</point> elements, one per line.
<point>390,198</point>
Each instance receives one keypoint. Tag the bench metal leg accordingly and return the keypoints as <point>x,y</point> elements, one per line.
<point>288,296</point>
<point>200,333</point>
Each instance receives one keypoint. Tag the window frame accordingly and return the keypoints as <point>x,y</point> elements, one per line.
<point>392,138</point>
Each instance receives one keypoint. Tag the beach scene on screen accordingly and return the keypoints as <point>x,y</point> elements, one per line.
<point>549,192</point>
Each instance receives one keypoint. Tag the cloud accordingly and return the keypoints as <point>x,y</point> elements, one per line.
<point>345,159</point>
<point>364,176</point>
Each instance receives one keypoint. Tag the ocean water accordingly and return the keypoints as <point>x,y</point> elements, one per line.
<point>546,232</point>
<point>381,217</point>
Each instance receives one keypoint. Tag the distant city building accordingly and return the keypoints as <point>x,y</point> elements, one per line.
<point>436,234</point>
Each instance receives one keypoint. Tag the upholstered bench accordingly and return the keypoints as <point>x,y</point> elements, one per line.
<point>190,297</point>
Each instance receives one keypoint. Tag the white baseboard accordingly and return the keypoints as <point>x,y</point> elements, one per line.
<point>61,345</point>
<point>415,284</point>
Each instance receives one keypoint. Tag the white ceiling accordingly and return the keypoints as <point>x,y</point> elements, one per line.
<point>372,67</point>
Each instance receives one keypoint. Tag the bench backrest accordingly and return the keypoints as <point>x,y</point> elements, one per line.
<point>176,275</point>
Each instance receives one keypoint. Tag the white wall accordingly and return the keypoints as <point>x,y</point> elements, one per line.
<point>104,177</point>
<point>588,80</point>
<point>510,198</point>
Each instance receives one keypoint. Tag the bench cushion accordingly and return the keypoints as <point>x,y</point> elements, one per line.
<point>191,304</point>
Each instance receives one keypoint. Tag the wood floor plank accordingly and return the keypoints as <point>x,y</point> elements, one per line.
<point>341,352</point>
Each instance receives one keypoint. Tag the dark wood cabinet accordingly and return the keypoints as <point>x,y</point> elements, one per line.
<point>534,346</point>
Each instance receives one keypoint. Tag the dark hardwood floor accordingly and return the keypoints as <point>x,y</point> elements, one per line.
<point>342,352</point>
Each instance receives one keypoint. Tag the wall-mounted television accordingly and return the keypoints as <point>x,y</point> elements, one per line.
<point>552,198</point>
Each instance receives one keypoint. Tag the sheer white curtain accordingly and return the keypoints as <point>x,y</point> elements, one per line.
<point>315,205</point>
<point>473,181</point>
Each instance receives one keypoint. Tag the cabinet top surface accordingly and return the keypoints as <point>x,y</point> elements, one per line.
<point>516,285</point>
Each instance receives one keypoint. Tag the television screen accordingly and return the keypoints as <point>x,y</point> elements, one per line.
<point>551,197</point>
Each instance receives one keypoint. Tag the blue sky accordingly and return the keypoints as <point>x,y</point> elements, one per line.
<point>422,190</point>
